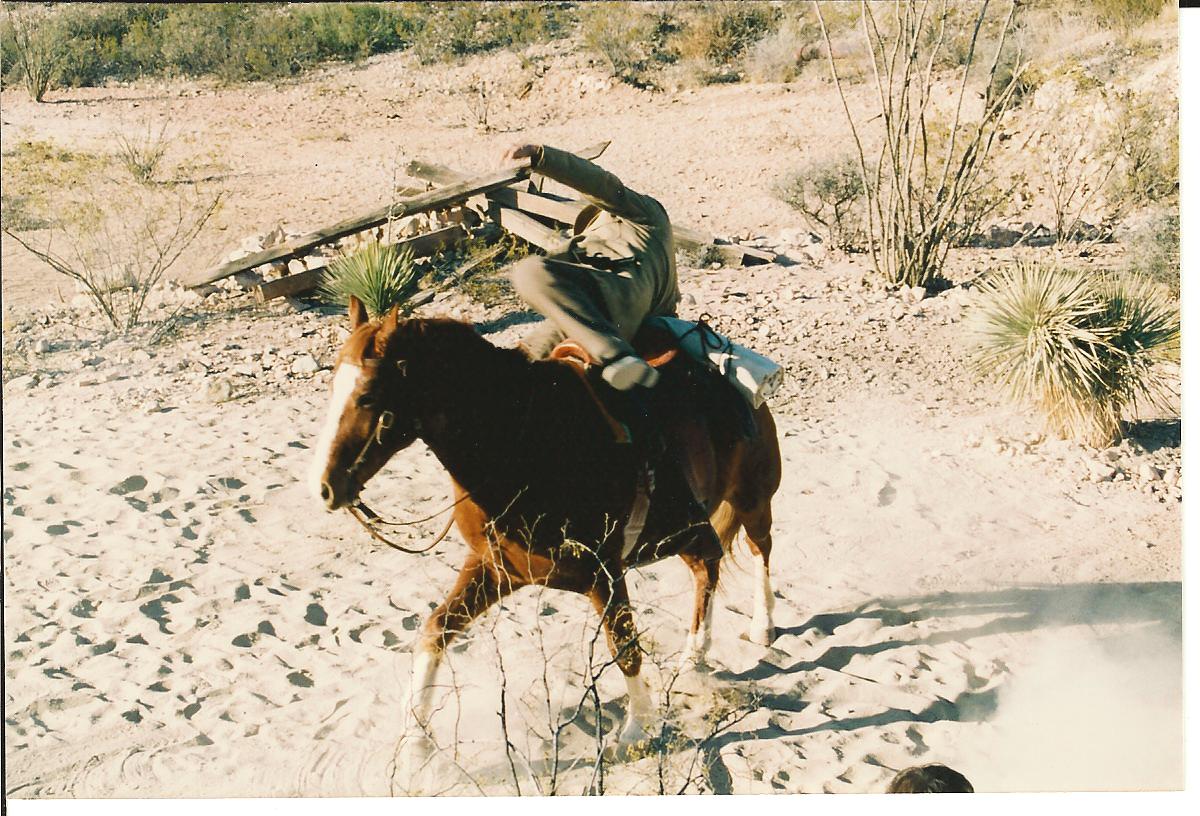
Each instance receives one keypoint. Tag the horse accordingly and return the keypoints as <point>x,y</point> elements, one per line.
<point>544,489</point>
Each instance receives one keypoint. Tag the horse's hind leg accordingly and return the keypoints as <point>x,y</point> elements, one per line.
<point>705,574</point>
<point>611,601</point>
<point>757,524</point>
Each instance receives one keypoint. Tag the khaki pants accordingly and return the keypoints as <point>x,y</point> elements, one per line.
<point>601,309</point>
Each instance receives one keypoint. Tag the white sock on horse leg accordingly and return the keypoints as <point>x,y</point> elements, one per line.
<point>640,709</point>
<point>762,626</point>
<point>419,698</point>
<point>698,641</point>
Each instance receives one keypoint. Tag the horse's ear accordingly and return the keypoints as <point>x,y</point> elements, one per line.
<point>358,313</point>
<point>391,321</point>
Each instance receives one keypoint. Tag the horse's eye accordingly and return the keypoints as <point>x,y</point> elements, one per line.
<point>366,401</point>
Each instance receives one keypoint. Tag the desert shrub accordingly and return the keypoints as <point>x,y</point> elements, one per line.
<point>718,33</point>
<point>379,275</point>
<point>29,47</point>
<point>778,57</point>
<point>632,38</point>
<point>142,153</point>
<point>1145,138</point>
<point>1153,249</point>
<point>118,248</point>
<point>1126,15</point>
<point>17,212</point>
<point>94,42</point>
<point>452,30</point>
<point>1083,350</point>
<point>918,195</point>
<point>828,193</point>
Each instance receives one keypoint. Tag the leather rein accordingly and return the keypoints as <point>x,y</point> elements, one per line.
<point>367,517</point>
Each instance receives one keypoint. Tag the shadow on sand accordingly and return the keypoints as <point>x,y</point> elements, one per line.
<point>1156,608</point>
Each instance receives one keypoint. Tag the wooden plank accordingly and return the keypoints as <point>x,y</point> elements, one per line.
<point>422,246</point>
<point>440,198</point>
<point>566,210</point>
<point>529,229</point>
<point>289,285</point>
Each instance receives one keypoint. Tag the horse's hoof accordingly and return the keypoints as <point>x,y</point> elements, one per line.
<point>761,633</point>
<point>632,733</point>
<point>412,762</point>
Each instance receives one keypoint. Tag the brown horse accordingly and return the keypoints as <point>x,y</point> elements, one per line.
<point>544,488</point>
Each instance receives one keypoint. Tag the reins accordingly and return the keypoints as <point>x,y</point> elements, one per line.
<point>360,507</point>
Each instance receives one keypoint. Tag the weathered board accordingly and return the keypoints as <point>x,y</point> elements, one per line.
<point>436,199</point>
<point>567,210</point>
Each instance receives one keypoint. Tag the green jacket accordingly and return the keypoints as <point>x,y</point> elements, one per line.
<point>623,231</point>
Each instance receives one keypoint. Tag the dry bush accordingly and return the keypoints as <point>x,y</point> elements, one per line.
<point>141,154</point>
<point>119,247</point>
<point>778,57</point>
<point>1083,350</point>
<point>1126,15</point>
<point>632,38</point>
<point>35,51</point>
<point>1153,249</point>
<point>918,191</point>
<point>828,193</point>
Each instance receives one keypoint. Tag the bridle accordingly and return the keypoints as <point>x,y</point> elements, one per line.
<point>365,516</point>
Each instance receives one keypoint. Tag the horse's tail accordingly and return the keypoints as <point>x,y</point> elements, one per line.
<point>725,522</point>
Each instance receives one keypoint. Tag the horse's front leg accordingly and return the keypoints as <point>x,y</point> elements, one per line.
<point>705,573</point>
<point>477,588</point>
<point>611,600</point>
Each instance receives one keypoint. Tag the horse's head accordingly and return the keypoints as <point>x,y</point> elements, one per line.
<point>369,417</point>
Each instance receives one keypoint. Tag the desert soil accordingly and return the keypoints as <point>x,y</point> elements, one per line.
<point>182,619</point>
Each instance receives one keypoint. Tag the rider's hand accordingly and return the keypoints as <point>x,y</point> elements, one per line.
<point>520,151</point>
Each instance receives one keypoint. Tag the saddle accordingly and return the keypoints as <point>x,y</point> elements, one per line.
<point>669,423</point>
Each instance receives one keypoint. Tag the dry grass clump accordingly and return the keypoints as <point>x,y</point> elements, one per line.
<point>1082,350</point>
<point>379,275</point>
<point>141,154</point>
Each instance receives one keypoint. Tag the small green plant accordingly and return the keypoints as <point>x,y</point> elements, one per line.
<point>828,193</point>
<point>379,275</point>
<point>17,212</point>
<point>142,154</point>
<point>1081,349</point>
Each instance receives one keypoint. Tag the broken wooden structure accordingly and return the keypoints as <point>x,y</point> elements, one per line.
<point>508,198</point>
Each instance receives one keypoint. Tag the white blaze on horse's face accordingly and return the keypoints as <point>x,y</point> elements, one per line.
<point>345,381</point>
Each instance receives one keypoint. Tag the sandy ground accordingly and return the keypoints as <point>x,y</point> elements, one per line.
<point>181,619</point>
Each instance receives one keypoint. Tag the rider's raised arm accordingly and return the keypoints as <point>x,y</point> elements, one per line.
<point>603,188</point>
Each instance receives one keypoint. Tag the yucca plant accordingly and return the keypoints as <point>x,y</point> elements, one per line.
<point>378,275</point>
<point>1082,349</point>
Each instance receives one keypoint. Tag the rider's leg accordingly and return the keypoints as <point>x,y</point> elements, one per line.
<point>573,299</point>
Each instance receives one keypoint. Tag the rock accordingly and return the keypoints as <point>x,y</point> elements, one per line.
<point>42,346</point>
<point>1149,473</point>
<point>23,383</point>
<point>1101,471</point>
<point>1170,477</point>
<point>1112,454</point>
<point>218,389</point>
<point>304,365</point>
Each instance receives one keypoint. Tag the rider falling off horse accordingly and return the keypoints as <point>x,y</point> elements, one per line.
<point>618,270</point>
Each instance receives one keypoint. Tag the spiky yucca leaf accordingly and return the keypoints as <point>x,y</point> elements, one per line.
<point>1081,350</point>
<point>379,275</point>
